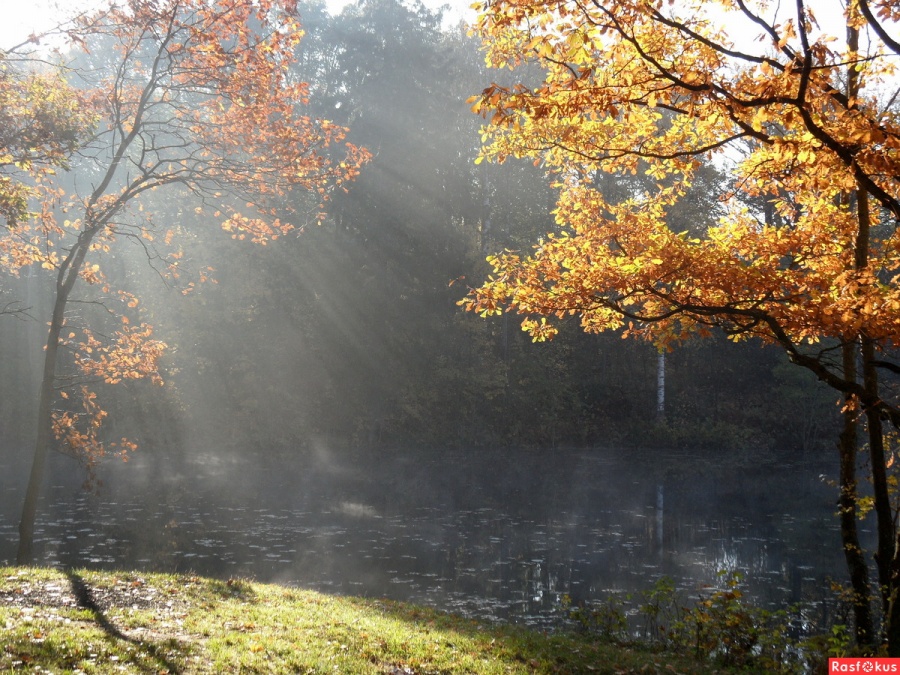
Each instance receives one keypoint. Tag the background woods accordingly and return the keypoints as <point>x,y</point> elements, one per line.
<point>349,333</point>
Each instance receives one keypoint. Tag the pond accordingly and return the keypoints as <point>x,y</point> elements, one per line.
<point>493,535</point>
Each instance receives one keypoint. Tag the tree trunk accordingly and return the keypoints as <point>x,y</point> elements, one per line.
<point>661,387</point>
<point>884,556</point>
<point>42,443</point>
<point>885,547</point>
<point>853,553</point>
<point>65,281</point>
<point>892,629</point>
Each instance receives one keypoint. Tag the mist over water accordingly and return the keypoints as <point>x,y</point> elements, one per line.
<point>494,535</point>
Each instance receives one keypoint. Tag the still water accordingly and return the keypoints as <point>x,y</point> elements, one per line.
<point>497,536</point>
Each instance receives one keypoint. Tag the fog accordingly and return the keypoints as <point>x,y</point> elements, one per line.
<point>499,536</point>
<point>330,418</point>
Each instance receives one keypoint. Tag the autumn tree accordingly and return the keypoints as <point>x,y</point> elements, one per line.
<point>43,120</point>
<point>189,100</point>
<point>806,253</point>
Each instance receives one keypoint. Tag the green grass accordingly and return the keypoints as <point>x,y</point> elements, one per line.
<point>123,622</point>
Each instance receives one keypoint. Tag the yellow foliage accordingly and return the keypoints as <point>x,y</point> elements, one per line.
<point>660,89</point>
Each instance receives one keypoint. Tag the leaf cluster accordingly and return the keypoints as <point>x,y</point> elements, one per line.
<point>800,122</point>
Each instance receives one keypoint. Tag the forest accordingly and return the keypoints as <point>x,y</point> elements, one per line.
<point>421,184</point>
<point>349,331</point>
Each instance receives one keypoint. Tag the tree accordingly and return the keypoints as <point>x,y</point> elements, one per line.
<point>806,254</point>
<point>193,98</point>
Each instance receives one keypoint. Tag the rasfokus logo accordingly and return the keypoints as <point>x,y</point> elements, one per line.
<point>863,665</point>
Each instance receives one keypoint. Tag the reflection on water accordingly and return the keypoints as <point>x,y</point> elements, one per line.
<point>500,538</point>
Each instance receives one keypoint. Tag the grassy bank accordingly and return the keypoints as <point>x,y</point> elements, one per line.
<point>101,622</point>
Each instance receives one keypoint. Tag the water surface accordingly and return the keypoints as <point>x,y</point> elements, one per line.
<point>498,535</point>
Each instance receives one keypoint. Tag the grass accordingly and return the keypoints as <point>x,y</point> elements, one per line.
<point>124,622</point>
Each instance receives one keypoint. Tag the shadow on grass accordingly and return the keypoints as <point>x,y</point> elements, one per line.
<point>153,652</point>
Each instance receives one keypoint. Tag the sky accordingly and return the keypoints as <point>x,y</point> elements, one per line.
<point>21,18</point>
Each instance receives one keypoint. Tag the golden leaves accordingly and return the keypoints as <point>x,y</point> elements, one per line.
<point>259,230</point>
<point>131,354</point>
<point>79,429</point>
<point>654,95</point>
<point>540,331</point>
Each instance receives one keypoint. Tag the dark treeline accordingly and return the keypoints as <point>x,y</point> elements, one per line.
<point>349,334</point>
